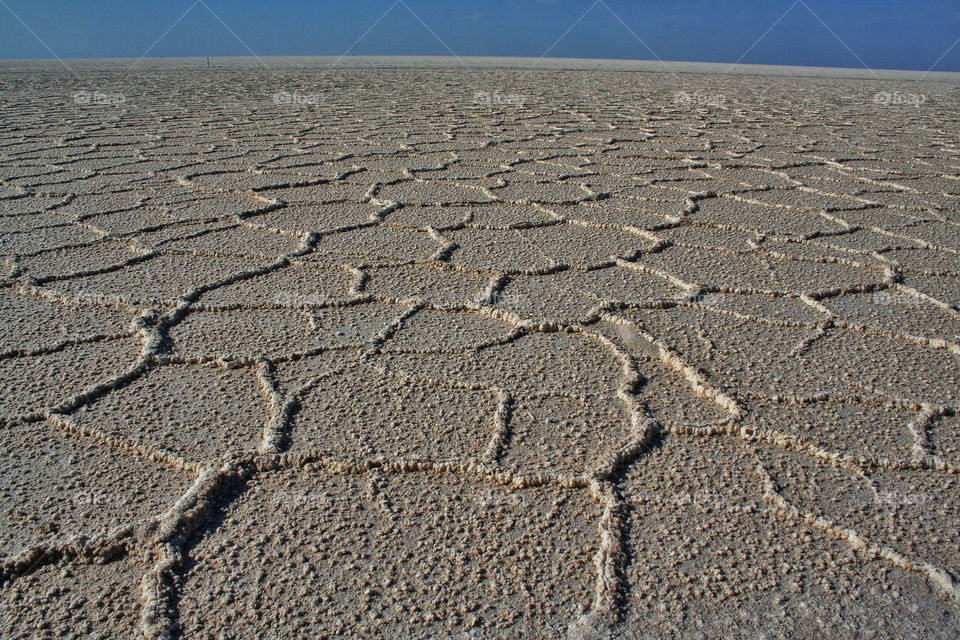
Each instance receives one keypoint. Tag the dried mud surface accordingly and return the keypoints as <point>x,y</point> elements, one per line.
<point>645,356</point>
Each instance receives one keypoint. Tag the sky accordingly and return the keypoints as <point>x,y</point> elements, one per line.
<point>879,34</point>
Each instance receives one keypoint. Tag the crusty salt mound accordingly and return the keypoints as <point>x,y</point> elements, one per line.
<point>600,362</point>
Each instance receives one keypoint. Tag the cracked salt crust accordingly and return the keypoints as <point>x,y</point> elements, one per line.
<point>602,366</point>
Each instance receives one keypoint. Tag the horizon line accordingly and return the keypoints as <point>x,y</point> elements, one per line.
<point>551,63</point>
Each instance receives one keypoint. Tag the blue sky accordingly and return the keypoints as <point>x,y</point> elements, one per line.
<point>901,34</point>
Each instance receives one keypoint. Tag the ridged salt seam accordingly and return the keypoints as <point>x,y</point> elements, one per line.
<point>501,432</point>
<point>937,576</point>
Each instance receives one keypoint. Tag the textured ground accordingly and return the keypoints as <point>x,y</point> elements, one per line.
<point>649,356</point>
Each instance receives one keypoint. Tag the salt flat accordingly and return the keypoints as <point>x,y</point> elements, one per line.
<point>401,348</point>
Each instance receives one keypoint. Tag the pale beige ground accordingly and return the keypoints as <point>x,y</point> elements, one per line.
<point>393,355</point>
